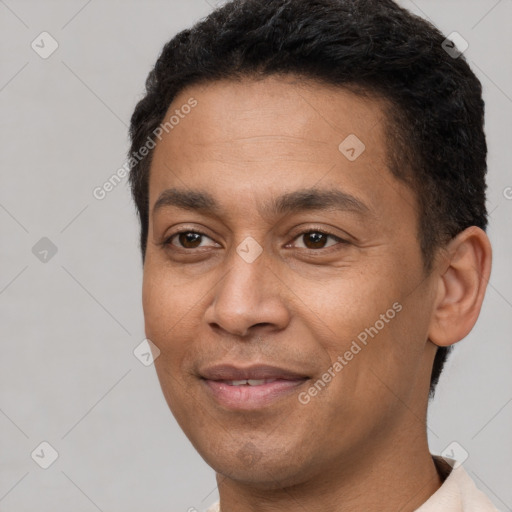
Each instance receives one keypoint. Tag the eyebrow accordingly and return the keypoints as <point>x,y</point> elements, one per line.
<point>299,200</point>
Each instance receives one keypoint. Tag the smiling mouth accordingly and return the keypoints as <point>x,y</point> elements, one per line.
<point>237,387</point>
<point>252,394</point>
<point>248,382</point>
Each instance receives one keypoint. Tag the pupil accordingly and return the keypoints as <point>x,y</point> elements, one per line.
<point>317,238</point>
<point>186,238</point>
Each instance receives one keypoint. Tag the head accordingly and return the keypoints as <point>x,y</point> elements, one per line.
<point>272,100</point>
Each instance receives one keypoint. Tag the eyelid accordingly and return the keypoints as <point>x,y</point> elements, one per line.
<point>322,251</point>
<point>320,229</point>
<point>304,231</point>
<point>167,239</point>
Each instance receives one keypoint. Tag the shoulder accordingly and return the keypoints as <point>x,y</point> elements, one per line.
<point>214,508</point>
<point>458,492</point>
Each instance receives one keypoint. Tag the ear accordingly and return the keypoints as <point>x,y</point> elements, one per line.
<point>463,278</point>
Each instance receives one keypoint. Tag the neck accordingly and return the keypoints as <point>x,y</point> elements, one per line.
<point>400,477</point>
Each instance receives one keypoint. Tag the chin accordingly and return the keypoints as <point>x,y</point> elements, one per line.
<point>263,467</point>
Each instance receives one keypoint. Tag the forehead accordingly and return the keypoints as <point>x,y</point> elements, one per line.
<point>289,110</point>
<point>275,134</point>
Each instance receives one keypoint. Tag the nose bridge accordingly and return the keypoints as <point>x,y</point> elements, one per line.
<point>249,294</point>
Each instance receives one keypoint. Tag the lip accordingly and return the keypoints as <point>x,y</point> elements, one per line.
<point>217,384</point>
<point>257,372</point>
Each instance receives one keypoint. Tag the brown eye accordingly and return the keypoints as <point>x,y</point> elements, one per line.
<point>189,239</point>
<point>186,239</point>
<point>317,239</point>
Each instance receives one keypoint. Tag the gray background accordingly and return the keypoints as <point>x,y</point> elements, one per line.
<point>69,325</point>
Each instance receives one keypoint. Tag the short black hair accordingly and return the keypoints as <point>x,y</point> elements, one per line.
<point>374,48</point>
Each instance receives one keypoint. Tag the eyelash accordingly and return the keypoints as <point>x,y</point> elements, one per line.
<point>341,241</point>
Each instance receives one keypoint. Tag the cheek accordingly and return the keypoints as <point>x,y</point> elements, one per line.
<point>165,314</point>
<point>155,304</point>
<point>375,327</point>
<point>172,309</point>
<point>351,306</point>
<point>163,305</point>
<point>391,364</point>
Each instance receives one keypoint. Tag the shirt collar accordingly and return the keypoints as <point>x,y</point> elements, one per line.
<point>458,493</point>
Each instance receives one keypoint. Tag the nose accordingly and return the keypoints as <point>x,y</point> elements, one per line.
<point>250,297</point>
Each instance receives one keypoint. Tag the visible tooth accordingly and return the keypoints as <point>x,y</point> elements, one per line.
<point>238,382</point>
<point>254,382</point>
<point>250,382</point>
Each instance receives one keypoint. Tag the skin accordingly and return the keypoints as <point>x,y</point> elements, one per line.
<point>360,443</point>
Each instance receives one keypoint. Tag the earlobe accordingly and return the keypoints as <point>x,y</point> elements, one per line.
<point>461,286</point>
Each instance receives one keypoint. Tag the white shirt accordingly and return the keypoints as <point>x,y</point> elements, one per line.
<point>457,494</point>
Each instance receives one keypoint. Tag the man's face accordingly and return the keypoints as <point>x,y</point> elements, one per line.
<point>279,295</point>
